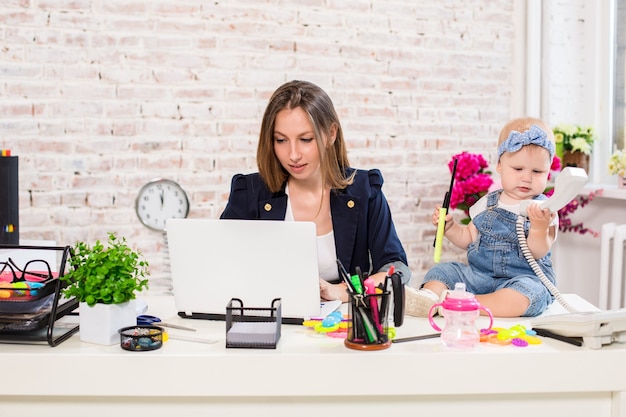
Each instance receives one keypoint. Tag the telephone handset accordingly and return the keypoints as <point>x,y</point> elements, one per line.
<point>567,186</point>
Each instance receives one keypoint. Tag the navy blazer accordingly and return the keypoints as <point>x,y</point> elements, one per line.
<point>361,217</point>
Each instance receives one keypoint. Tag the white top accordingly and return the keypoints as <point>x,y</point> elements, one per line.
<point>326,249</point>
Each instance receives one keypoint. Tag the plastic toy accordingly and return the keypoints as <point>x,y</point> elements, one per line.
<point>333,325</point>
<point>516,335</point>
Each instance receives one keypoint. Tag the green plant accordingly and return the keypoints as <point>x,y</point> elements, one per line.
<point>107,275</point>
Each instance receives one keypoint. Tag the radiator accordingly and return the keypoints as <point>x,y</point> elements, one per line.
<point>612,276</point>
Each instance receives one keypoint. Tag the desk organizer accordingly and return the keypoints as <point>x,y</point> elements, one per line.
<point>141,338</point>
<point>29,314</point>
<point>253,327</point>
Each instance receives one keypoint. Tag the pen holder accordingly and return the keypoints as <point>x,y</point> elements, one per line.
<point>368,327</point>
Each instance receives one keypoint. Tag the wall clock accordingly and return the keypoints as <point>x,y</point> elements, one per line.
<point>159,200</point>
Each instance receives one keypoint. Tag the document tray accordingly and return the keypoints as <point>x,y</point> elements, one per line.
<point>252,327</point>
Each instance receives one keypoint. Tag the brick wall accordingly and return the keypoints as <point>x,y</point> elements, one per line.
<point>99,97</point>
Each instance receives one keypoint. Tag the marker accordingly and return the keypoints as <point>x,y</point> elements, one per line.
<point>6,152</point>
<point>443,211</point>
<point>370,289</point>
<point>356,284</point>
<point>441,227</point>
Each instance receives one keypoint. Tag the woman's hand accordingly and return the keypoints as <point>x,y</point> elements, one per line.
<point>330,291</point>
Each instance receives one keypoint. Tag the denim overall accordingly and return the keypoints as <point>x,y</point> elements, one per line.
<point>496,260</point>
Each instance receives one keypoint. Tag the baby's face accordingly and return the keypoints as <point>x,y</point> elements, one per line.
<point>524,174</point>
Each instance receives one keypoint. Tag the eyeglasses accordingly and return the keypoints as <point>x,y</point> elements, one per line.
<point>36,270</point>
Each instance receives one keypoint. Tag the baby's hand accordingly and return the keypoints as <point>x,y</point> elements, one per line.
<point>435,218</point>
<point>539,219</point>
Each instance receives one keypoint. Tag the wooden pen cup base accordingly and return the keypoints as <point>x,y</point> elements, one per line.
<point>363,346</point>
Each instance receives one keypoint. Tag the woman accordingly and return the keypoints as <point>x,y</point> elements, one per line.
<point>304,175</point>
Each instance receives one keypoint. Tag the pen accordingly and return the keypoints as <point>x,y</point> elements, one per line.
<point>345,276</point>
<point>413,338</point>
<point>370,331</point>
<point>576,341</point>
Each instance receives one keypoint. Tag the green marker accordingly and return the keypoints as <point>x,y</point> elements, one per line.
<point>356,283</point>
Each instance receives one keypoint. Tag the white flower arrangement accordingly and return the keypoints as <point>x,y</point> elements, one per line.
<point>574,138</point>
<point>617,163</point>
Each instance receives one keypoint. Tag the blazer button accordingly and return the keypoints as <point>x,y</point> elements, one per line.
<point>350,204</point>
<point>267,207</point>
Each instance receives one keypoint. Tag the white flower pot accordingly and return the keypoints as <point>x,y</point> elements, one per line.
<point>100,324</point>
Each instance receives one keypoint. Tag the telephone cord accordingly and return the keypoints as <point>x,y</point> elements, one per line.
<point>521,236</point>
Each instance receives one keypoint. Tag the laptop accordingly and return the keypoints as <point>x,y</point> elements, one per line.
<point>256,261</point>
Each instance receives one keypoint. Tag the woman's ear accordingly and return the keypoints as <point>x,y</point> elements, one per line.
<point>332,135</point>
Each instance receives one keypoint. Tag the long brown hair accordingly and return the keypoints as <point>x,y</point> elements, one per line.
<point>321,112</point>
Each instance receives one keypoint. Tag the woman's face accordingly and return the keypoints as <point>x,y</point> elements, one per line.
<point>295,145</point>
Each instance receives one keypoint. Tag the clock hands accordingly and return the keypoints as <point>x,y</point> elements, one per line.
<point>151,207</point>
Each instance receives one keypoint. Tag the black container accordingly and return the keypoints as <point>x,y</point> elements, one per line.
<point>141,338</point>
<point>253,327</point>
<point>9,201</point>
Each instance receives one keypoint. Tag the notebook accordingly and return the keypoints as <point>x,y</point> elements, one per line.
<point>213,261</point>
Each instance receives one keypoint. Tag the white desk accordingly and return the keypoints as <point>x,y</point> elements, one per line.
<point>310,374</point>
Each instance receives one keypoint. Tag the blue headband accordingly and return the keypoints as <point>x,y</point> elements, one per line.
<point>533,136</point>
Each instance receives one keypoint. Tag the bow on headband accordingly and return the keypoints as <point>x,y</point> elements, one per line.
<point>533,136</point>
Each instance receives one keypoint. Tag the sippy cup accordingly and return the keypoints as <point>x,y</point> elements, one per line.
<point>460,309</point>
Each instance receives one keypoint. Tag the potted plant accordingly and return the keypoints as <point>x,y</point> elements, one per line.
<point>617,166</point>
<point>574,144</point>
<point>105,281</point>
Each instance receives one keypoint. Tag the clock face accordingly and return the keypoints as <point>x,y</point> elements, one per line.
<point>160,200</point>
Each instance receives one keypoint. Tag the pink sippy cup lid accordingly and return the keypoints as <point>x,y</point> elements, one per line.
<point>460,300</point>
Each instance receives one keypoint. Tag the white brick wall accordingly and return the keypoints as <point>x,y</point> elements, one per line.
<point>98,97</point>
